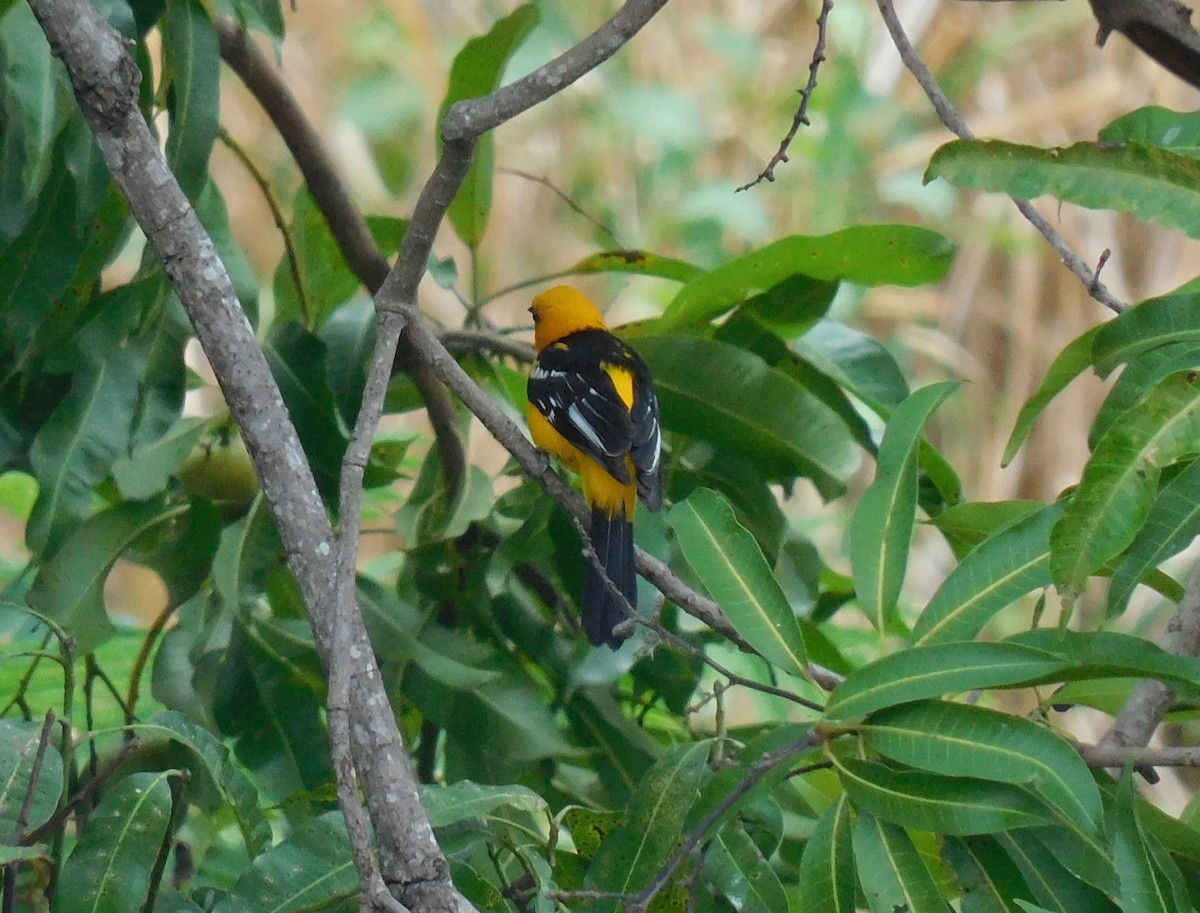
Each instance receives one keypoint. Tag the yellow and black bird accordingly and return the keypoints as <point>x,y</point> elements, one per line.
<point>592,404</point>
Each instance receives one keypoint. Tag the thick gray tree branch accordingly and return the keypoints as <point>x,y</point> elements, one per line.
<point>106,82</point>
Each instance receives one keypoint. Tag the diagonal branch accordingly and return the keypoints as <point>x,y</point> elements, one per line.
<point>471,118</point>
<point>345,221</point>
<point>954,121</point>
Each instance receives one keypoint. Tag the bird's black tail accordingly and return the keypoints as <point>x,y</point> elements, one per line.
<point>612,539</point>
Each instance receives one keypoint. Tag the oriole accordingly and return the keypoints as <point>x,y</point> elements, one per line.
<point>592,404</point>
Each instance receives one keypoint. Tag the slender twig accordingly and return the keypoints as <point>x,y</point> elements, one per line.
<point>35,775</point>
<point>565,197</point>
<point>139,664</point>
<point>528,283</point>
<point>9,872</point>
<point>801,116</point>
<point>281,222</point>
<point>178,783</point>
<point>954,121</point>
<point>17,700</point>
<point>1118,756</point>
<point>463,342</point>
<point>54,822</point>
<point>759,769</point>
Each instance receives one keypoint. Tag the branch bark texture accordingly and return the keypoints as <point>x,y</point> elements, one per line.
<point>106,82</point>
<point>346,223</point>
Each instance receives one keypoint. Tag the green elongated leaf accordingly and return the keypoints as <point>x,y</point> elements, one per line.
<point>637,262</point>
<point>738,870</point>
<point>740,403</point>
<point>1085,854</point>
<point>182,550</point>
<point>896,877</point>
<point>161,342</point>
<point>1149,181</point>
<point>18,752</point>
<point>857,362</point>
<point>827,871</point>
<point>935,670</point>
<point>394,629</point>
<point>33,108</point>
<point>634,852</point>
<point>297,360</point>
<point>970,523</point>
<point>1145,887</point>
<point>862,254</point>
<point>745,487</point>
<point>476,71</point>
<point>962,740</point>
<point>146,471</point>
<point>109,869</point>
<point>1071,362</point>
<point>1159,126</point>
<point>882,526</point>
<point>990,881</point>
<point>192,69</point>
<point>38,266</point>
<point>1173,318</point>
<point>326,278</point>
<point>310,870</point>
<point>944,805</point>
<point>1110,654</point>
<point>263,702</point>
<point>1139,379</point>
<point>792,308</point>
<point>1001,569</point>
<point>264,15</point>
<point>1113,498</point>
<point>457,801</point>
<point>249,552</point>
<point>1172,524</point>
<point>1178,836</point>
<point>622,751</point>
<point>69,587</point>
<point>232,783</point>
<point>732,568</point>
<point>77,446</point>
<point>1054,888</point>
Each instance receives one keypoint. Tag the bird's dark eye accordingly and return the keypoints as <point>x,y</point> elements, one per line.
<point>536,316</point>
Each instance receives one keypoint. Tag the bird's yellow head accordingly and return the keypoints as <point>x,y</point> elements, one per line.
<point>561,311</point>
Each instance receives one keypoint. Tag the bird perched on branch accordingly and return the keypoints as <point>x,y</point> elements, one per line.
<point>592,404</point>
